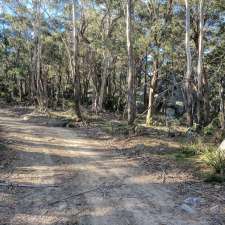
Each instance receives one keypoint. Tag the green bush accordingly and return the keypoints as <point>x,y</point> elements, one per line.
<point>212,127</point>
<point>216,159</point>
<point>214,178</point>
<point>209,130</point>
<point>194,148</point>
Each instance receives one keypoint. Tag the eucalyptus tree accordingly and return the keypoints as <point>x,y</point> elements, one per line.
<point>160,16</point>
<point>62,53</point>
<point>188,78</point>
<point>131,102</point>
<point>75,70</point>
<point>109,20</point>
<point>200,64</point>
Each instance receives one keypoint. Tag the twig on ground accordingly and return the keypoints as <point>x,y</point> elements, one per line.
<point>27,185</point>
<point>81,193</point>
<point>72,196</point>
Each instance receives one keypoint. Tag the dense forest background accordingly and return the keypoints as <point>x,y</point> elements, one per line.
<point>142,56</point>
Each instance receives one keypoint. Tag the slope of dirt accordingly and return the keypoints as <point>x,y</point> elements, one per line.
<point>70,176</point>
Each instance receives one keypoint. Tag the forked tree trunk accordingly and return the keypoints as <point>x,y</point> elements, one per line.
<point>131,104</point>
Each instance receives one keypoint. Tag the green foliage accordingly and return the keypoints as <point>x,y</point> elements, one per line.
<point>214,178</point>
<point>208,130</point>
<point>190,150</point>
<point>149,121</point>
<point>215,159</point>
<point>212,127</point>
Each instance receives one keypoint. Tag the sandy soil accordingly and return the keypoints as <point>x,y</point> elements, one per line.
<point>67,176</point>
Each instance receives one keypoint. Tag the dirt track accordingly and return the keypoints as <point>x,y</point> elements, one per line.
<point>64,176</point>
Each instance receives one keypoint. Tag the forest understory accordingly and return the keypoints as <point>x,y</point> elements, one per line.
<point>88,175</point>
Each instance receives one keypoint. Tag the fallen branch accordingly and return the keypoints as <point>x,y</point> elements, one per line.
<point>81,193</point>
<point>27,185</point>
<point>72,196</point>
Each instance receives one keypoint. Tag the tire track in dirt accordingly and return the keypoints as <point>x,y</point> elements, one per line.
<point>94,186</point>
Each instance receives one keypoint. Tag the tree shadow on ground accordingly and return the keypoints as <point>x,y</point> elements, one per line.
<point>71,183</point>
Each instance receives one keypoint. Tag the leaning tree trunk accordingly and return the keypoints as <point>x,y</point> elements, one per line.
<point>200,100</point>
<point>188,82</point>
<point>131,104</point>
<point>76,76</point>
<point>153,85</point>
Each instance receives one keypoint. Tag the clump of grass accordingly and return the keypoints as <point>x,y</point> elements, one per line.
<point>115,128</point>
<point>194,148</point>
<point>214,178</point>
<point>212,127</point>
<point>215,158</point>
<point>209,155</point>
<point>190,150</point>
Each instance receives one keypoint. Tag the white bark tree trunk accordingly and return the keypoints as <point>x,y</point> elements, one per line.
<point>188,82</point>
<point>222,103</point>
<point>76,78</point>
<point>200,65</point>
<point>131,104</point>
<point>152,89</point>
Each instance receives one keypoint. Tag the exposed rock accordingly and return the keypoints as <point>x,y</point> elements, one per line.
<point>221,155</point>
<point>140,147</point>
<point>186,208</point>
<point>141,130</point>
<point>222,146</point>
<point>179,107</point>
<point>215,209</point>
<point>193,201</point>
<point>170,112</point>
<point>140,107</point>
<point>26,118</point>
<point>57,123</point>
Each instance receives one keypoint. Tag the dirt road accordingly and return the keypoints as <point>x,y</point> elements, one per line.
<point>65,176</point>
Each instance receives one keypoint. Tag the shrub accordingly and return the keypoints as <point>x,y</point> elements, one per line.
<point>215,158</point>
<point>212,127</point>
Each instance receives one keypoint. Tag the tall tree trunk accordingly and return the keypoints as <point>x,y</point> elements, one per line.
<point>31,84</point>
<point>106,64</point>
<point>145,79</point>
<point>222,103</point>
<point>76,75</point>
<point>37,57</point>
<point>38,65</point>
<point>200,103</point>
<point>152,88</point>
<point>131,104</point>
<point>188,82</point>
<point>205,97</point>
